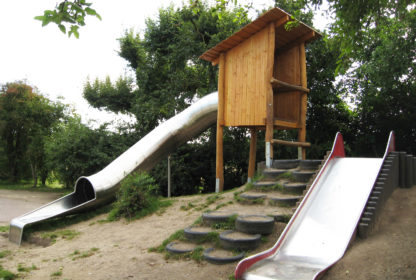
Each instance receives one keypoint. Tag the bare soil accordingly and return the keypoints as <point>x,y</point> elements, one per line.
<point>119,250</point>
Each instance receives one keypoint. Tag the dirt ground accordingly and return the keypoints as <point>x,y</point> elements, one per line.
<point>119,250</point>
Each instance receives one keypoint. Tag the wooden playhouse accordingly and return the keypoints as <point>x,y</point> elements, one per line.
<point>262,83</point>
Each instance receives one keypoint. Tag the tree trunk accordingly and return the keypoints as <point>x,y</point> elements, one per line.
<point>34,174</point>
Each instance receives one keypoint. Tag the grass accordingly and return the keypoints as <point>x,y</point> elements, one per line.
<point>81,255</point>
<point>155,204</point>
<point>56,273</point>
<point>177,236</point>
<point>6,275</point>
<point>4,254</point>
<point>4,228</point>
<point>286,176</point>
<point>208,202</point>
<point>66,234</point>
<point>22,268</point>
<point>27,185</point>
<point>54,224</point>
<point>228,225</point>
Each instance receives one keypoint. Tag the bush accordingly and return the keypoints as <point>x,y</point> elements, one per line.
<point>136,197</point>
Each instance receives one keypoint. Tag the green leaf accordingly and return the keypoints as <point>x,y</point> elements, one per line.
<point>62,28</point>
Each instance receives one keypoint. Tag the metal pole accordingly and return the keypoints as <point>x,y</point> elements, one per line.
<point>169,179</point>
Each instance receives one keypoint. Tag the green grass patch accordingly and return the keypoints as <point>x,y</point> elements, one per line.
<point>66,234</point>
<point>137,198</point>
<point>4,228</point>
<point>228,225</point>
<point>286,176</point>
<point>177,236</point>
<point>22,268</point>
<point>54,224</point>
<point>56,273</point>
<point>196,255</point>
<point>4,254</point>
<point>6,275</point>
<point>81,255</point>
<point>27,185</point>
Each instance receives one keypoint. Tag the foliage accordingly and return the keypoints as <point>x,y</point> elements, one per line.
<point>76,150</point>
<point>136,198</point>
<point>169,77</point>
<point>6,275</point>
<point>68,14</point>
<point>27,119</point>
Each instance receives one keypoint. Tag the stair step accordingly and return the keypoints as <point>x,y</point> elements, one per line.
<point>254,224</point>
<point>285,163</point>
<point>273,172</point>
<point>231,239</point>
<point>220,256</point>
<point>281,217</point>
<point>197,233</point>
<point>264,184</point>
<point>303,175</point>
<point>284,201</point>
<point>309,164</point>
<point>216,217</point>
<point>178,247</point>
<point>253,195</point>
<point>295,187</point>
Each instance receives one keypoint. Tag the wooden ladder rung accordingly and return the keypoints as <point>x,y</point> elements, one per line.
<point>283,86</point>
<point>291,143</point>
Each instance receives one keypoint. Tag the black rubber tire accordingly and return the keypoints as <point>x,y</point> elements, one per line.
<point>284,202</point>
<point>309,164</point>
<point>250,243</point>
<point>285,163</point>
<point>253,196</point>
<point>219,260</point>
<point>195,235</point>
<point>295,188</point>
<point>302,176</point>
<point>171,248</point>
<point>264,226</point>
<point>216,217</point>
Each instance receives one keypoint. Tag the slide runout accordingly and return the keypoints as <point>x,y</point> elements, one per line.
<point>98,189</point>
<point>321,228</point>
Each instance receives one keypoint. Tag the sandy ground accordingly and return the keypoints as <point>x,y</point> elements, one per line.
<point>121,248</point>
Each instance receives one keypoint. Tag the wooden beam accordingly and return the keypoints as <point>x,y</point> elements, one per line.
<point>252,155</point>
<point>303,98</point>
<point>219,173</point>
<point>302,39</point>
<point>281,21</point>
<point>283,86</point>
<point>291,143</point>
<point>269,93</point>
<point>286,124</point>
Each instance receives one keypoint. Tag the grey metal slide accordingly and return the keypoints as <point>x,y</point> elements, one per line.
<point>321,228</point>
<point>99,188</point>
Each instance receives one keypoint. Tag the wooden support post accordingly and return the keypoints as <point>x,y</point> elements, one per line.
<point>219,181</point>
<point>252,156</point>
<point>303,101</point>
<point>269,95</point>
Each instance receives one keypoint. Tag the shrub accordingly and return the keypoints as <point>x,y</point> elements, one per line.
<point>135,198</point>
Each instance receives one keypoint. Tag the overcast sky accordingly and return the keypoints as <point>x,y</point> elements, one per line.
<point>58,65</point>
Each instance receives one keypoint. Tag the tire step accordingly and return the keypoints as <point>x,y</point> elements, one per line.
<point>295,188</point>
<point>219,256</point>
<point>197,233</point>
<point>303,175</point>
<point>309,164</point>
<point>285,163</point>
<point>177,247</point>
<point>231,239</point>
<point>255,224</point>
<point>216,217</point>
<point>271,173</point>
<point>284,201</point>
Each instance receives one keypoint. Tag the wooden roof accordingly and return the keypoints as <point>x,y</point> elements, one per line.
<point>284,38</point>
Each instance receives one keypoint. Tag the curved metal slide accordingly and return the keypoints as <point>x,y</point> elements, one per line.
<point>99,188</point>
<point>320,230</point>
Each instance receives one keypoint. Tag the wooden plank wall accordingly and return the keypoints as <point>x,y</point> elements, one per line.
<point>245,84</point>
<point>287,69</point>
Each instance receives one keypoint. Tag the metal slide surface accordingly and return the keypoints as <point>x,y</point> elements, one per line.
<point>99,188</point>
<point>320,230</point>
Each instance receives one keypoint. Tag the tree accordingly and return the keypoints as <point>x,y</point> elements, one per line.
<point>68,14</point>
<point>75,150</point>
<point>26,118</point>
<point>169,77</point>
